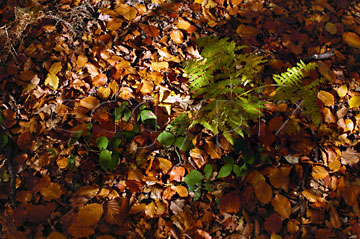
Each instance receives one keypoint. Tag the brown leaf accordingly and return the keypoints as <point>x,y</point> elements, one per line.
<point>263,192</point>
<point>352,39</point>
<point>116,211</point>
<point>230,202</point>
<point>273,224</point>
<point>92,69</point>
<point>326,72</point>
<point>350,157</point>
<point>79,231</point>
<point>202,234</point>
<point>334,217</point>
<point>51,192</point>
<point>183,24</point>
<point>281,205</point>
<point>279,177</point>
<point>293,226</point>
<point>38,213</point>
<point>89,215</point>
<point>99,80</point>
<point>89,102</point>
<point>152,31</point>
<point>199,156</point>
<point>319,172</point>
<point>329,117</point>
<point>213,150</point>
<point>24,140</point>
<point>127,11</point>
<point>81,61</point>
<point>326,97</point>
<point>164,164</point>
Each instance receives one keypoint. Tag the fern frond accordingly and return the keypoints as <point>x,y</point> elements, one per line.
<point>294,75</point>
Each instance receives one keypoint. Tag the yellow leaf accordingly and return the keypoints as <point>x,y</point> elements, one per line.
<point>127,11</point>
<point>354,102</point>
<point>342,91</point>
<point>331,28</point>
<point>146,87</point>
<point>89,215</point>
<point>182,191</point>
<point>150,210</point>
<point>183,24</point>
<point>52,81</point>
<point>335,165</point>
<point>55,68</point>
<point>352,39</point>
<point>103,92</point>
<point>319,172</point>
<point>281,205</point>
<point>159,66</point>
<point>326,97</point>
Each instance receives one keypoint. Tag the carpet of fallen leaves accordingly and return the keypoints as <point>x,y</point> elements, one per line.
<point>67,64</point>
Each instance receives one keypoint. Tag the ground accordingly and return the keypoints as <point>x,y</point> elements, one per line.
<point>87,87</point>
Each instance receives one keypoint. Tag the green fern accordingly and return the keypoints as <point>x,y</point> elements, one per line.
<point>290,88</point>
<point>224,79</point>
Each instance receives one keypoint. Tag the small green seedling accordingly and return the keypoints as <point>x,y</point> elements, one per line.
<point>108,159</point>
<point>123,112</point>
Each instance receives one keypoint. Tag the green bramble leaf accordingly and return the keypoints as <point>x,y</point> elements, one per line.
<point>208,170</point>
<point>193,178</point>
<point>102,142</point>
<point>166,138</point>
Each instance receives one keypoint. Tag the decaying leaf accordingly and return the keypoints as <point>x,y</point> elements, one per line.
<point>281,205</point>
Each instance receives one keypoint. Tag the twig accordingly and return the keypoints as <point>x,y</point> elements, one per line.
<point>12,195</point>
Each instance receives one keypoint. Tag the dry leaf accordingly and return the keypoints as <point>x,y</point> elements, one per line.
<point>103,92</point>
<point>342,91</point>
<point>281,205</point>
<point>164,164</point>
<point>273,224</point>
<point>326,97</point>
<point>334,217</point>
<point>326,72</point>
<point>352,39</point>
<point>263,192</point>
<point>354,102</point>
<point>177,174</point>
<point>81,61</point>
<point>51,192</point>
<point>182,191</point>
<point>319,172</point>
<point>230,202</point>
<point>183,24</point>
<point>52,81</point>
<point>127,11</point>
<point>89,215</point>
<point>213,150</point>
<point>152,31</point>
<point>176,36</point>
<point>350,157</point>
<point>89,102</point>
<point>329,117</point>
<point>331,28</point>
<point>293,226</point>
<point>92,69</point>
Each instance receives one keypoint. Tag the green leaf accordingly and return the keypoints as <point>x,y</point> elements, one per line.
<point>225,170</point>
<point>102,142</point>
<point>208,170</point>
<point>184,143</point>
<point>106,160</point>
<point>127,115</point>
<point>146,115</point>
<point>75,137</point>
<point>115,143</point>
<point>237,170</point>
<point>71,162</point>
<point>4,139</point>
<point>166,138</point>
<point>197,195</point>
<point>193,178</point>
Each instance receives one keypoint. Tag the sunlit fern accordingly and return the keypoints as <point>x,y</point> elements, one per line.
<point>224,79</point>
<point>290,87</point>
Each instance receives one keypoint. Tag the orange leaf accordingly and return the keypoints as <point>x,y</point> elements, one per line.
<point>150,210</point>
<point>147,87</point>
<point>199,156</point>
<point>128,12</point>
<point>81,61</point>
<point>116,211</point>
<point>103,92</point>
<point>164,164</point>
<point>203,234</point>
<point>281,205</point>
<point>92,69</point>
<point>319,172</point>
<point>230,202</point>
<point>213,150</point>
<point>312,197</point>
<point>89,215</point>
<point>183,24</point>
<point>329,117</point>
<point>99,80</point>
<point>89,102</point>
<point>182,191</point>
<point>326,97</point>
<point>176,36</point>
<point>177,174</point>
<point>293,226</point>
<point>263,192</point>
<point>273,224</point>
<point>352,39</point>
<point>53,191</point>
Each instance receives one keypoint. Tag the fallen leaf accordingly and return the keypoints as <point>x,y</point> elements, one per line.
<point>326,97</point>
<point>55,68</point>
<point>331,28</point>
<point>164,164</point>
<point>354,102</point>
<point>51,192</point>
<point>89,102</point>
<point>293,226</point>
<point>350,157</point>
<point>81,61</point>
<point>326,72</point>
<point>99,80</point>
<point>177,36</point>
<point>230,202</point>
<point>342,91</point>
<point>319,172</point>
<point>89,215</point>
<point>103,92</point>
<point>52,81</point>
<point>281,205</point>
<point>273,224</point>
<point>183,24</point>
<point>152,31</point>
<point>352,39</point>
<point>263,192</point>
<point>127,11</point>
<point>329,117</point>
<point>182,191</point>
<point>177,174</point>
<point>334,217</point>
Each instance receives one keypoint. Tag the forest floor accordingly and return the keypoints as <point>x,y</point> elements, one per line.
<point>65,68</point>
